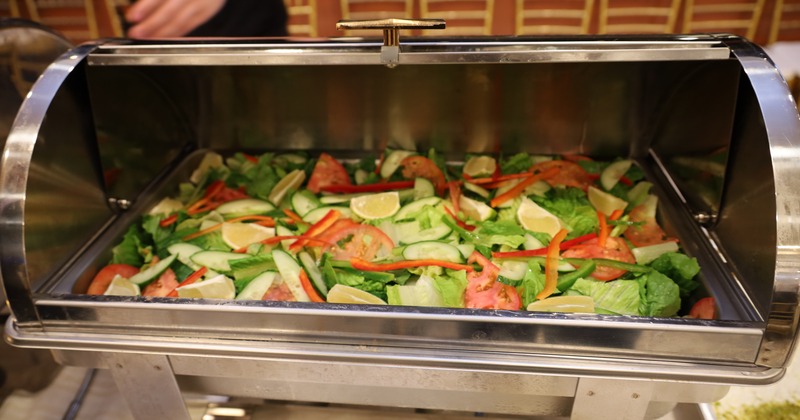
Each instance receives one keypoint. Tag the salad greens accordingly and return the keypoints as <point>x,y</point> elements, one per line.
<point>408,228</point>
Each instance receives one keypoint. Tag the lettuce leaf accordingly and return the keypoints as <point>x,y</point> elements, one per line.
<point>532,283</point>
<point>500,233</point>
<point>451,287</point>
<point>573,208</point>
<point>660,296</point>
<point>681,268</point>
<point>520,162</point>
<point>127,252</point>
<point>618,297</point>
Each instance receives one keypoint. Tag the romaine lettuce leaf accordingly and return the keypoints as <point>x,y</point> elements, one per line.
<point>660,296</point>
<point>618,297</point>
<point>127,252</point>
<point>532,283</point>
<point>681,268</point>
<point>520,162</point>
<point>573,208</point>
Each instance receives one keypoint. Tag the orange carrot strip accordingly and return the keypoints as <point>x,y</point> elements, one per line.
<point>455,195</point>
<point>602,237</point>
<point>308,288</point>
<point>616,214</point>
<point>317,228</point>
<point>520,187</point>
<point>551,265</point>
<point>499,178</point>
<point>189,280</point>
<point>294,216</point>
<point>543,251</point>
<point>362,265</point>
<point>210,229</point>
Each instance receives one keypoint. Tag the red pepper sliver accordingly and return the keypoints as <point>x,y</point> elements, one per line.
<point>603,236</point>
<point>520,187</point>
<point>459,222</point>
<point>168,221</point>
<point>625,181</point>
<point>317,228</point>
<point>309,288</point>
<point>294,216</point>
<point>213,189</point>
<point>565,245</point>
<point>362,265</point>
<point>551,265</point>
<point>251,158</point>
<point>455,195</point>
<point>384,186</point>
<point>499,178</point>
<point>189,280</point>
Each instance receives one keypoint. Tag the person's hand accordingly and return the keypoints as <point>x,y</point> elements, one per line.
<point>169,18</point>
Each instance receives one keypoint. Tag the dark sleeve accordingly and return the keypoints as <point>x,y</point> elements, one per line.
<point>246,18</point>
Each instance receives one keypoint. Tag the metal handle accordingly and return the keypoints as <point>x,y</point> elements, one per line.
<point>391,27</point>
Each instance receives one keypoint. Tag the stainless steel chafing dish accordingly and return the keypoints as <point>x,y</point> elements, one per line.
<point>708,117</point>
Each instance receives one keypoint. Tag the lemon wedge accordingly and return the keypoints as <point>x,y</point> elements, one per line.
<point>536,219</point>
<point>219,287</point>
<point>474,209</point>
<point>480,166</point>
<point>240,235</point>
<point>289,183</point>
<point>605,202</point>
<point>575,304</point>
<point>347,294</point>
<point>376,206</point>
<point>120,286</point>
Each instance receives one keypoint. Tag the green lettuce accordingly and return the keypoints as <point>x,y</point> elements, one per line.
<point>128,251</point>
<point>681,268</point>
<point>500,233</point>
<point>520,162</point>
<point>532,283</point>
<point>660,296</point>
<point>573,208</point>
<point>618,297</point>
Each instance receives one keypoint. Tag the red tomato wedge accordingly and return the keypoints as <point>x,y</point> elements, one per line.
<point>705,308</point>
<point>103,277</point>
<point>614,249</point>
<point>648,232</point>
<point>569,174</point>
<point>327,172</point>
<point>422,167</point>
<point>352,240</point>
<point>279,292</point>
<point>163,285</point>
<point>483,289</point>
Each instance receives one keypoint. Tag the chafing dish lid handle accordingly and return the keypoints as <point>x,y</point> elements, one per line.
<point>391,27</point>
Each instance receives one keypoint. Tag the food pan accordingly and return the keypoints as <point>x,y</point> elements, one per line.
<point>113,127</point>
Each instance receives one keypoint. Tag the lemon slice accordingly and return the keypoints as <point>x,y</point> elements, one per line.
<point>240,235</point>
<point>166,206</point>
<point>474,209</point>
<point>576,304</point>
<point>605,202</point>
<point>536,219</point>
<point>210,160</point>
<point>346,294</point>
<point>480,166</point>
<point>289,183</point>
<point>219,287</point>
<point>120,286</point>
<point>376,206</point>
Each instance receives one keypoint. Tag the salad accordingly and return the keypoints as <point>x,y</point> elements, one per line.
<point>519,232</point>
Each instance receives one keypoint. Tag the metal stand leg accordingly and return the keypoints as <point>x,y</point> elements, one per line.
<point>604,399</point>
<point>148,384</point>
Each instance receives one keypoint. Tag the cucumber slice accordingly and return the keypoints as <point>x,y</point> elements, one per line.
<point>423,188</point>
<point>410,232</point>
<point>292,158</point>
<point>281,230</point>
<point>513,270</point>
<point>433,250</point>
<point>647,254</point>
<point>475,210</point>
<point>303,201</point>
<point>144,277</point>
<point>639,193</point>
<point>483,192</point>
<point>244,207</point>
<point>290,273</point>
<point>612,173</point>
<point>416,206</point>
<point>217,260</point>
<point>466,249</point>
<point>318,213</point>
<point>257,287</point>
<point>392,162</point>
<point>314,273</point>
<point>339,198</point>
<point>360,176</point>
<point>184,251</point>
<point>531,242</point>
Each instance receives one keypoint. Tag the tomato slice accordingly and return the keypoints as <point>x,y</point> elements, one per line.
<point>103,277</point>
<point>569,174</point>
<point>229,194</point>
<point>361,241</point>
<point>422,167</point>
<point>648,232</point>
<point>279,292</point>
<point>614,249</point>
<point>328,171</point>
<point>705,308</point>
<point>163,285</point>
<point>483,289</point>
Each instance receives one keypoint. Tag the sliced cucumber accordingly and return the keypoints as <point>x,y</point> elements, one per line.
<point>513,270</point>
<point>290,273</point>
<point>411,208</point>
<point>613,172</point>
<point>292,158</point>
<point>339,198</point>
<point>531,242</point>
<point>144,277</point>
<point>392,162</point>
<point>423,188</point>
<point>244,207</point>
<point>313,271</point>
<point>184,251</point>
<point>466,249</point>
<point>360,176</point>
<point>303,201</point>
<point>639,193</point>
<point>427,250</point>
<point>318,213</point>
<point>217,260</point>
<point>483,192</point>
<point>281,230</point>
<point>475,209</point>
<point>410,232</point>
<point>647,254</point>
<point>257,287</point>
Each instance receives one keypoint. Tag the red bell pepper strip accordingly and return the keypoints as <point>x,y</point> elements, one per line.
<point>309,289</point>
<point>499,178</point>
<point>520,187</point>
<point>251,158</point>
<point>168,221</point>
<point>189,280</point>
<point>565,245</point>
<point>551,265</point>
<point>455,195</point>
<point>362,265</point>
<point>459,222</point>
<point>379,187</point>
<point>316,229</point>
<point>602,237</point>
